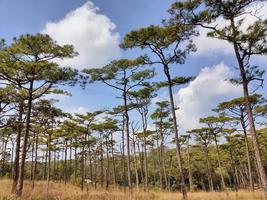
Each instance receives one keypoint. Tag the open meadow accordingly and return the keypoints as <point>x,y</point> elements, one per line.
<point>60,191</point>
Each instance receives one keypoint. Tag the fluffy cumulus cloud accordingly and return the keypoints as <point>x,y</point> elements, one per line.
<point>208,46</point>
<point>92,34</point>
<point>208,89</point>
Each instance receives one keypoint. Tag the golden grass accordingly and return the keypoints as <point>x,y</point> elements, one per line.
<point>60,191</point>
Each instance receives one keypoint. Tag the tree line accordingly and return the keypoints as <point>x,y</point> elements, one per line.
<point>41,142</point>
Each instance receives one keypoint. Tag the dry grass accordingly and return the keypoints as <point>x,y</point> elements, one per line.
<point>59,191</point>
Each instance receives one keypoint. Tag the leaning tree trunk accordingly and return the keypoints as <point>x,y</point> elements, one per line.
<point>251,185</point>
<point>17,153</point>
<point>178,148</point>
<point>25,144</point>
<point>249,111</point>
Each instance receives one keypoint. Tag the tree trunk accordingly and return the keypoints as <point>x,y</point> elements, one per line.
<point>251,185</point>
<point>113,163</point>
<point>25,143</point>
<point>135,166</point>
<point>250,113</point>
<point>65,162</point>
<point>127,142</point>
<point>107,168</point>
<point>159,162</point>
<point>178,149</point>
<point>210,179</point>
<point>32,161</point>
<point>189,167</point>
<point>82,169</point>
<point>101,163</point>
<point>49,160</point>
<point>219,163</point>
<point>35,160</point>
<point>145,151</point>
<point>17,153</point>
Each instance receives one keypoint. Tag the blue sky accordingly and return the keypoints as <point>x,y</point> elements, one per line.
<point>97,32</point>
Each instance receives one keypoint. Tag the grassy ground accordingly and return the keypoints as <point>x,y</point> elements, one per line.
<point>59,191</point>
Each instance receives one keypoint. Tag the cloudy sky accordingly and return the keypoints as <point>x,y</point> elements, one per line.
<point>96,27</point>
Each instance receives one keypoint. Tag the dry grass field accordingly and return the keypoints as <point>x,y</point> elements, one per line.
<point>59,191</point>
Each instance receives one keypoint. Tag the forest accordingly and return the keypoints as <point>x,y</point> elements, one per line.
<point>136,149</point>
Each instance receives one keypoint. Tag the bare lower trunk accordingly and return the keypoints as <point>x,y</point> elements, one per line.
<point>17,153</point>
<point>178,149</point>
<point>251,185</point>
<point>135,166</point>
<point>189,167</point>
<point>219,163</point>
<point>25,144</point>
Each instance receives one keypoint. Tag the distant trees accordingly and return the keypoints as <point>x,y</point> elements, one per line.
<point>123,75</point>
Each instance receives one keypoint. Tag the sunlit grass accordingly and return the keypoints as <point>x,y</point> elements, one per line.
<point>59,191</point>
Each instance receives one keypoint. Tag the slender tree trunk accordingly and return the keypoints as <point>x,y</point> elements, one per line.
<point>135,166</point>
<point>145,151</point>
<point>189,167</point>
<point>32,161</point>
<point>35,160</point>
<point>159,162</point>
<point>235,175</point>
<point>45,165</point>
<point>82,168</point>
<point>90,164</point>
<point>107,168</point>
<point>113,163</point>
<point>178,148</point>
<point>25,144</point>
<point>127,142</point>
<point>54,165</point>
<point>251,185</point>
<point>101,163</point>
<point>49,160</point>
<point>219,163</point>
<point>12,157</point>
<point>65,162</point>
<point>4,157</point>
<point>95,177</point>
<point>140,153</point>
<point>249,112</point>
<point>17,153</point>
<point>210,179</point>
<point>75,161</point>
<point>70,161</point>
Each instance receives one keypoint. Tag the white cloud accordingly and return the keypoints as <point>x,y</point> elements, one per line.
<point>92,34</point>
<point>79,110</point>
<point>202,94</point>
<point>210,46</point>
